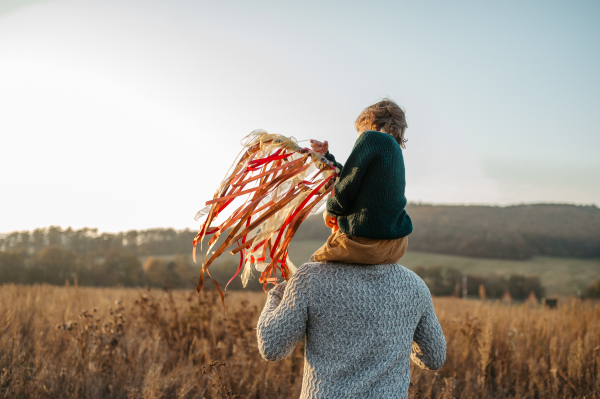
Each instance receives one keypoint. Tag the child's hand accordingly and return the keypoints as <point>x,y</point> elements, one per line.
<point>330,221</point>
<point>319,147</point>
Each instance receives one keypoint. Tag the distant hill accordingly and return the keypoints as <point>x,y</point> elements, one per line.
<point>513,232</point>
<point>155,257</point>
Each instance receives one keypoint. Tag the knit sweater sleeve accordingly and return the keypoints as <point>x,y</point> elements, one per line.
<point>282,323</point>
<point>349,183</point>
<point>329,156</point>
<point>429,343</point>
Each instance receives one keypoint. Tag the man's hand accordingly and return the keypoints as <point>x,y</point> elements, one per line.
<point>319,147</point>
<point>330,221</point>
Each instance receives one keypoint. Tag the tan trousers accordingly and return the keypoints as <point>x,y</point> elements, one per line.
<point>345,249</point>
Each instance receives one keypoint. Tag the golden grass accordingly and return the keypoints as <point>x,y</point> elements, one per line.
<point>128,343</point>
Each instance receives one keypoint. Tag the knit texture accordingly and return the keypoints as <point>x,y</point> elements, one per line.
<point>362,324</point>
<point>369,198</point>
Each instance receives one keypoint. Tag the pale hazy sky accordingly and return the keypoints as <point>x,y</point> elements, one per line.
<point>123,114</point>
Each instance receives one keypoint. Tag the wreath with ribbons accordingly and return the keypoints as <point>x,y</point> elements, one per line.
<point>280,184</point>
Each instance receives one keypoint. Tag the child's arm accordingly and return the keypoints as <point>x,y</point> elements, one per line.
<point>349,183</point>
<point>282,323</point>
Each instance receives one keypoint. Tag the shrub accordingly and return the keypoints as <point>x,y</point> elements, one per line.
<point>11,264</point>
<point>593,290</point>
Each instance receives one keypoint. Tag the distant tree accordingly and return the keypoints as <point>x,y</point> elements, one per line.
<point>131,239</point>
<point>593,290</point>
<point>495,286</point>
<point>520,287</point>
<point>516,286</point>
<point>54,236</point>
<point>39,237</point>
<point>473,283</point>
<point>79,241</point>
<point>12,267</point>
<point>54,265</point>
<point>24,242</point>
<point>181,272</point>
<point>534,285</point>
<point>121,268</point>
<point>155,271</point>
<point>440,280</point>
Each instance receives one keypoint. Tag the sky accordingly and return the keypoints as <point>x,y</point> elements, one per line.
<point>126,114</point>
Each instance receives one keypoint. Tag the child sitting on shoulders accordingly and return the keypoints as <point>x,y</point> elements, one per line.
<point>367,210</point>
<point>360,324</point>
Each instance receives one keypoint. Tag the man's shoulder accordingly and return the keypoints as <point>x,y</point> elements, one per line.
<point>397,277</point>
<point>312,267</point>
<point>397,270</point>
<point>416,280</point>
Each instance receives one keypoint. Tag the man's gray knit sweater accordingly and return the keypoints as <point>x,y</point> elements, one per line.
<point>362,325</point>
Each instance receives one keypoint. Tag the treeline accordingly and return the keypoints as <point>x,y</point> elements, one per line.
<point>91,244</point>
<point>447,281</point>
<point>162,256</point>
<point>154,257</point>
<point>513,232</point>
<point>58,266</point>
<point>121,265</point>
<point>54,255</point>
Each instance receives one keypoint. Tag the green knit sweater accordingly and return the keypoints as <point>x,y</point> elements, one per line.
<point>369,196</point>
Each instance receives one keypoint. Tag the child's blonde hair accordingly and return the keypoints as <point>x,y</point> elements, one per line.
<point>386,116</point>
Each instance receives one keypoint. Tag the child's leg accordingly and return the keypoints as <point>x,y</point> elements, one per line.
<point>345,249</point>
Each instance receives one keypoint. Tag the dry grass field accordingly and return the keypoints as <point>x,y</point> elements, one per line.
<point>60,342</point>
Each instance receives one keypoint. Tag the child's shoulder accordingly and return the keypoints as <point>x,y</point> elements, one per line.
<point>378,144</point>
<point>375,137</point>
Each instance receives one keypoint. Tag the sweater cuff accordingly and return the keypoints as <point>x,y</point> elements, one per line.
<point>332,209</point>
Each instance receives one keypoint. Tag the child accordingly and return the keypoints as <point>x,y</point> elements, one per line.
<point>367,211</point>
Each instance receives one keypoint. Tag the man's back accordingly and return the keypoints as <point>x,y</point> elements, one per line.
<point>359,322</point>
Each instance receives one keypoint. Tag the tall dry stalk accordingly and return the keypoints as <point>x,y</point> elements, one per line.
<point>485,346</point>
<point>575,362</point>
